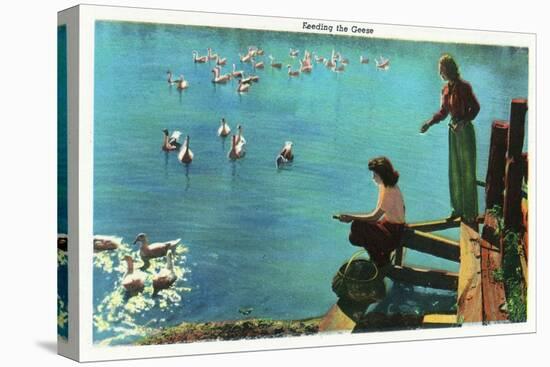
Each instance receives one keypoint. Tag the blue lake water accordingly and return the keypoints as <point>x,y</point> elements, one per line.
<point>258,237</point>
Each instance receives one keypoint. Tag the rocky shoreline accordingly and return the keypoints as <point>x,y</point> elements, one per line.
<point>232,330</point>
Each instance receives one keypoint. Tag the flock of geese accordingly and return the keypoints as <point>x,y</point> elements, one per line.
<point>133,281</point>
<point>336,62</point>
<point>171,143</point>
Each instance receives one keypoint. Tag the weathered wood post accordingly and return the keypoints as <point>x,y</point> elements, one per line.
<point>514,166</point>
<point>494,181</point>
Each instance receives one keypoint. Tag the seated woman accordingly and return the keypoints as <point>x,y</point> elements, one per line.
<point>380,231</point>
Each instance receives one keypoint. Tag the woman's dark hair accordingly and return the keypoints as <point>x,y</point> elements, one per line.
<point>451,67</point>
<point>383,167</point>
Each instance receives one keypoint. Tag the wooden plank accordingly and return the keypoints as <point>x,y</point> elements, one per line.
<point>438,224</point>
<point>432,244</point>
<point>424,277</point>
<point>441,320</point>
<point>434,225</point>
<point>469,294</point>
<point>494,297</point>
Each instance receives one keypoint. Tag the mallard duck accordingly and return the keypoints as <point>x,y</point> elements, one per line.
<point>105,243</point>
<point>132,282</point>
<point>149,251</point>
<point>166,277</point>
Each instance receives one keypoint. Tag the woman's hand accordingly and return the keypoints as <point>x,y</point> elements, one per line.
<point>425,126</point>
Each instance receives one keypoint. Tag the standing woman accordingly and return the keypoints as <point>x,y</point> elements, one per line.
<point>459,100</point>
<point>381,230</point>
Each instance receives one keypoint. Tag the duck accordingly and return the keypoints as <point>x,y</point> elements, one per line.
<point>62,241</point>
<point>363,59</point>
<point>293,52</point>
<point>276,65</point>
<point>237,150</point>
<point>210,55</point>
<point>106,243</point>
<point>133,283</point>
<point>170,143</point>
<point>257,65</point>
<point>185,155</point>
<point>237,73</point>
<point>285,155</point>
<point>293,72</point>
<point>224,129</point>
<point>243,86</point>
<point>149,251</point>
<point>182,83</point>
<point>166,277</point>
<point>199,59</point>
<point>305,67</point>
<point>260,52</point>
<point>218,77</point>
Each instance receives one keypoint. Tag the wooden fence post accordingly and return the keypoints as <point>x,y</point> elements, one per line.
<point>514,166</point>
<point>494,181</point>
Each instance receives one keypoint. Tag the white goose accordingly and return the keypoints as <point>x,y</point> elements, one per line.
<point>305,67</point>
<point>293,73</point>
<point>243,87</point>
<point>170,143</point>
<point>106,243</point>
<point>237,150</point>
<point>210,55</point>
<point>166,277</point>
<point>240,138</point>
<point>185,155</point>
<point>149,251</point>
<point>132,282</point>
<point>218,77</point>
<point>276,65</point>
<point>245,58</point>
<point>199,59</point>
<point>257,65</point>
<point>224,129</point>
<point>236,73</point>
<point>182,83</point>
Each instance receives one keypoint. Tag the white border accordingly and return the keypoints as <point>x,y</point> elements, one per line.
<point>89,14</point>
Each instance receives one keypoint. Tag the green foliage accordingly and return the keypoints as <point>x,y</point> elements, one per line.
<point>496,212</point>
<point>511,273</point>
<point>498,275</point>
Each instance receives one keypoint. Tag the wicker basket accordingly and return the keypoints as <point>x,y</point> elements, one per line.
<point>359,280</point>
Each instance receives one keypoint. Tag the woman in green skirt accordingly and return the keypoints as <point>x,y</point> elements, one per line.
<point>459,100</point>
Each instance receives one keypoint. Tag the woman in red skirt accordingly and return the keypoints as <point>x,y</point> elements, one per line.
<point>380,231</point>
